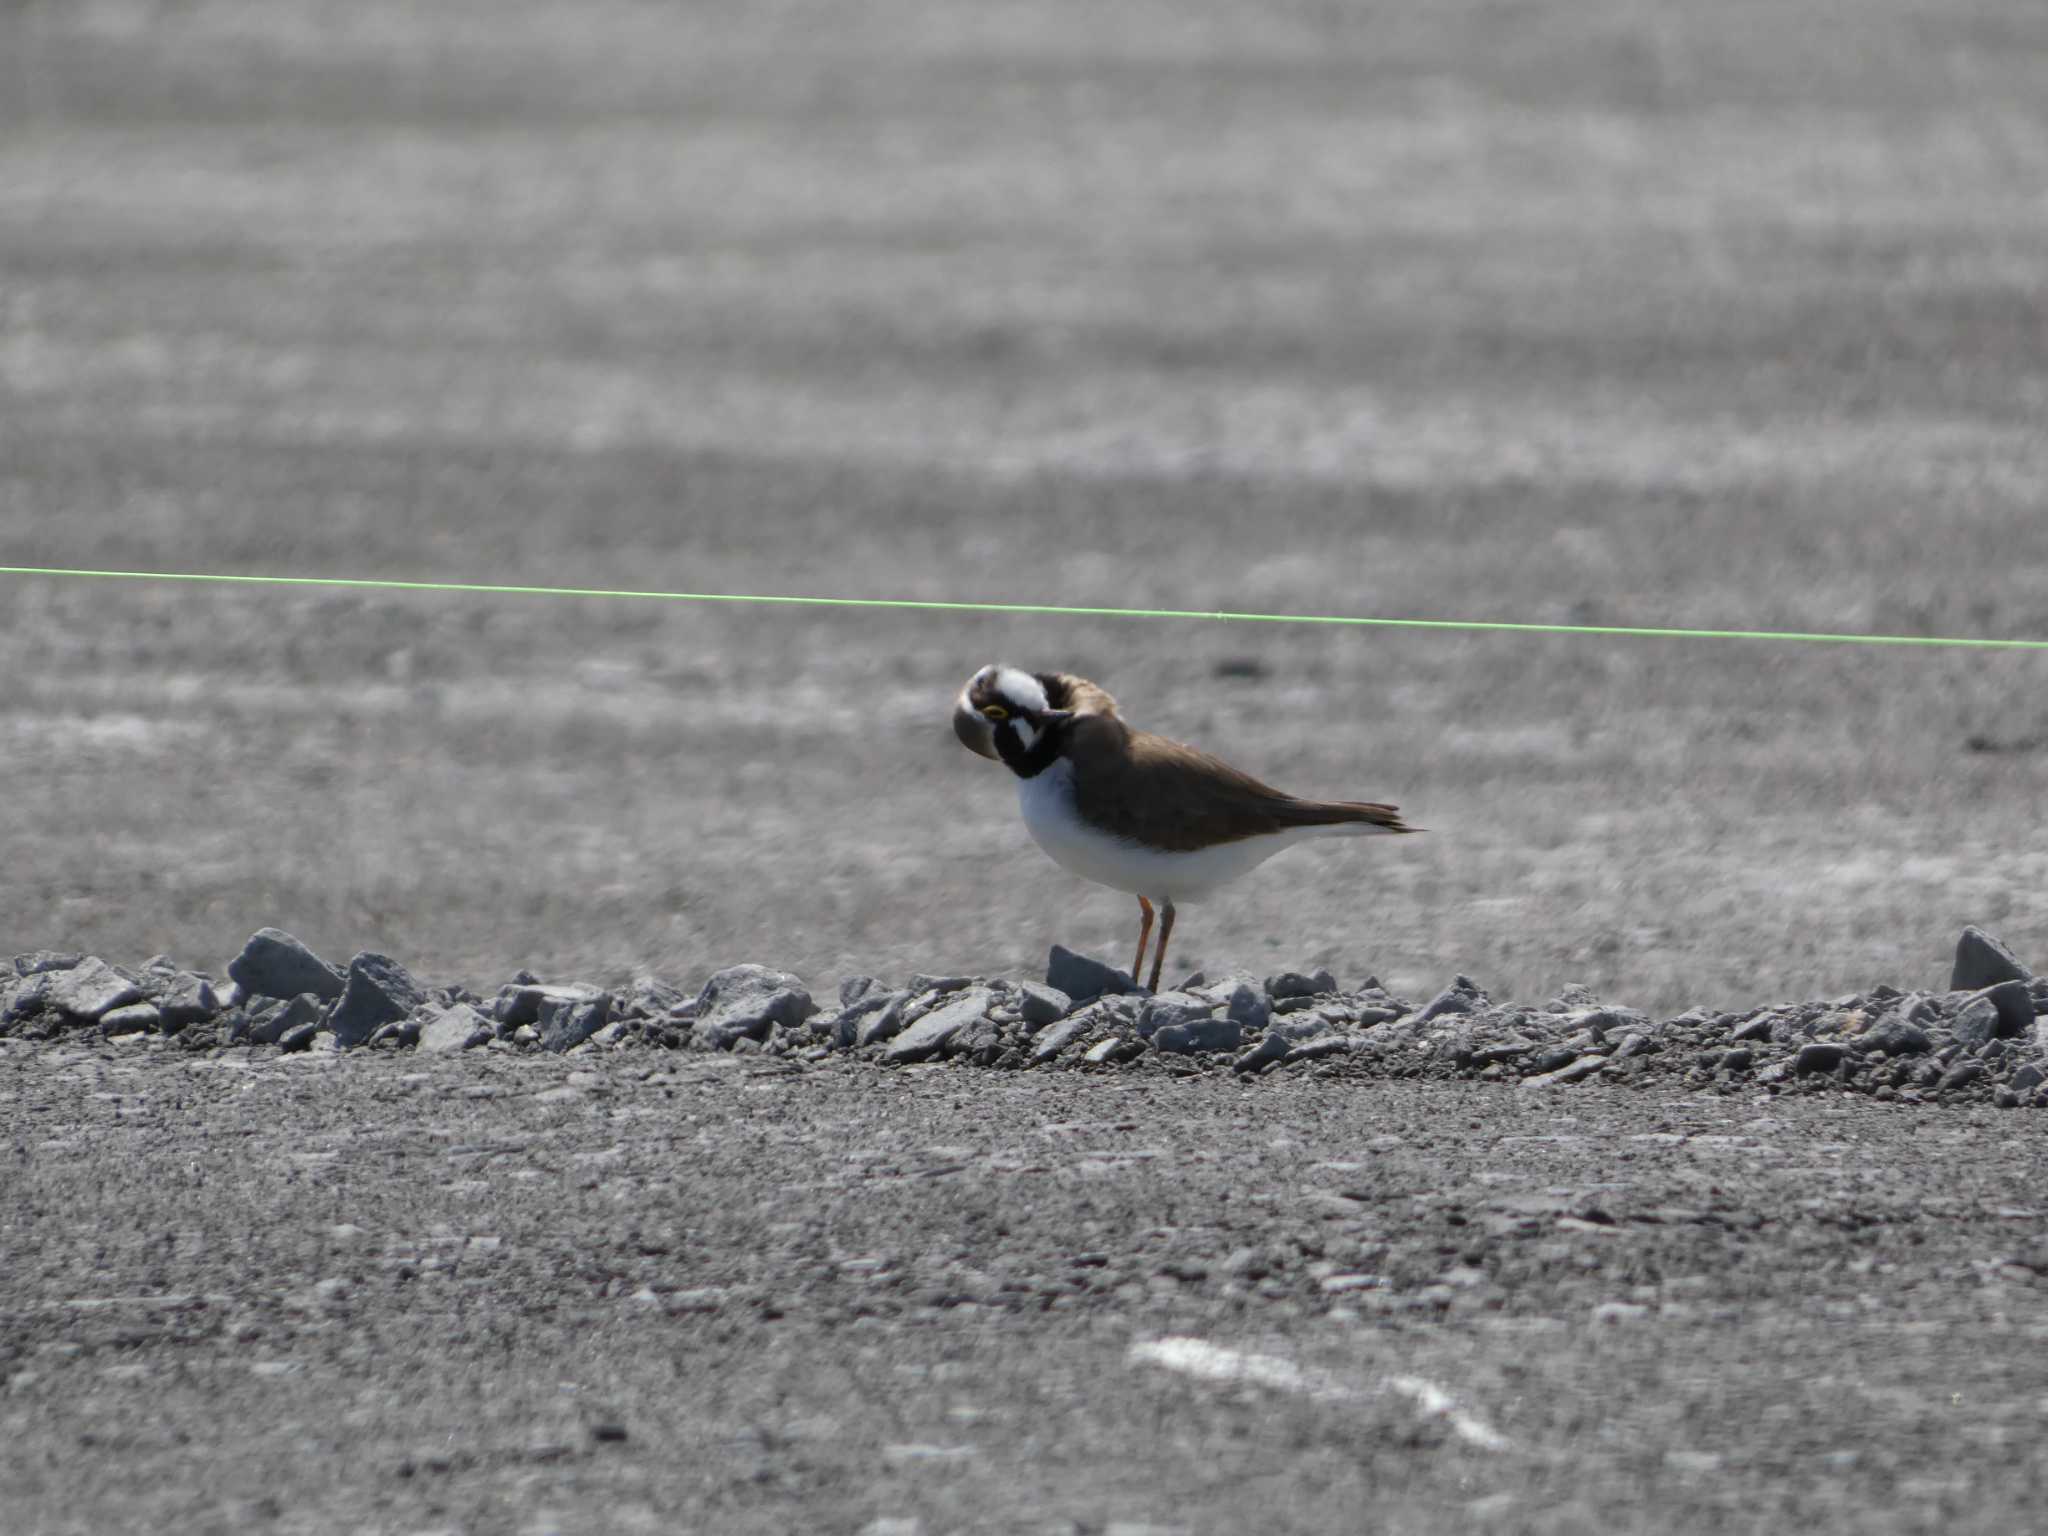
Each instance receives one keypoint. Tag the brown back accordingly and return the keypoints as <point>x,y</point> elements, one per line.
<point>1171,796</point>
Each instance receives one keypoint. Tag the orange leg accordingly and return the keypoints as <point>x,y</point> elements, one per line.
<point>1144,933</point>
<point>1159,954</point>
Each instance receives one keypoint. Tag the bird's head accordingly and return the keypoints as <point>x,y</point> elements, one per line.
<point>1004,706</point>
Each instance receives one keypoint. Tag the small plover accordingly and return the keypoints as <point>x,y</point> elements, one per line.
<point>1131,810</point>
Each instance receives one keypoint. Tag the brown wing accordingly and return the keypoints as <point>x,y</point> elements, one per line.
<point>1171,796</point>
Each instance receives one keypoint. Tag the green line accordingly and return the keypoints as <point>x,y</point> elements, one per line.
<point>357,583</point>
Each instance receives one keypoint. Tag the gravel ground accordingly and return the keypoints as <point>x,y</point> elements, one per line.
<point>777,1286</point>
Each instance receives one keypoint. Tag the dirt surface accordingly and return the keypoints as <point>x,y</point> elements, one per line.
<point>1622,312</point>
<point>628,1292</point>
<point>1637,312</point>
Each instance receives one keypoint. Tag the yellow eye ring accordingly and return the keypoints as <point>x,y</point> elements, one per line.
<point>995,712</point>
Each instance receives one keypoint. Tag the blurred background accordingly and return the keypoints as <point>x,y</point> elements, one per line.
<point>1613,311</point>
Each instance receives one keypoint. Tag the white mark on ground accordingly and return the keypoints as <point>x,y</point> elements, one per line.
<point>1436,1403</point>
<point>1215,1362</point>
<point>898,1455</point>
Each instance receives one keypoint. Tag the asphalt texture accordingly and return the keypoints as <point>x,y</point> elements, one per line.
<point>392,1291</point>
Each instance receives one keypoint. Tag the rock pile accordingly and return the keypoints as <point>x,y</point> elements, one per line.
<point>1983,1036</point>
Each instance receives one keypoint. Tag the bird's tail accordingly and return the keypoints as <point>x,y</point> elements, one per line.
<point>1358,818</point>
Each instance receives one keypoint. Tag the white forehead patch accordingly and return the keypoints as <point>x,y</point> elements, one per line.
<point>1020,690</point>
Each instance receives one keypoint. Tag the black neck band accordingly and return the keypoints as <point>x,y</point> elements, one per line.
<point>1027,762</point>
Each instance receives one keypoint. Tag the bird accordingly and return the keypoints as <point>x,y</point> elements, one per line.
<point>1132,810</point>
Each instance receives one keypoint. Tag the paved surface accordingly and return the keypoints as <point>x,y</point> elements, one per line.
<point>698,1292</point>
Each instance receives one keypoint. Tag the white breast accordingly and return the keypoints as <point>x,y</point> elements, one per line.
<point>1047,802</point>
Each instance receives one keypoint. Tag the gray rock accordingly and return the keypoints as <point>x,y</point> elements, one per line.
<point>930,1033</point>
<point>27,998</point>
<point>1119,1010</point>
<point>564,1025</point>
<point>1057,1037</point>
<point>1463,995</point>
<point>90,988</point>
<point>298,1038</point>
<point>1584,1067</point>
<point>1168,1009</point>
<point>1737,1060</point>
<point>746,1002</point>
<point>1981,961</point>
<point>271,1025</point>
<point>1819,1056</point>
<point>1555,1059</point>
<point>1248,1006</point>
<point>1502,1051</point>
<point>1042,1005</point>
<point>130,1019</point>
<point>2015,1005</point>
<point>982,1038</point>
<point>1961,1075</point>
<point>1301,1002</point>
<point>378,990</point>
<point>1113,1049</point>
<point>652,998</point>
<point>1978,1022</point>
<point>274,964</point>
<point>1896,1037</point>
<point>1252,1262</point>
<point>187,999</point>
<point>1217,989</point>
<point>873,1017</point>
<point>1318,1048</point>
<point>1268,1050</point>
<point>1758,1028</point>
<point>2028,1077</point>
<point>853,988</point>
<point>938,986</point>
<point>521,1002</point>
<point>456,1029</point>
<point>1605,1021</point>
<point>1278,1041</point>
<point>45,960</point>
<point>1082,978</point>
<point>1918,1008</point>
<point>1200,1034</point>
<point>1300,984</point>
